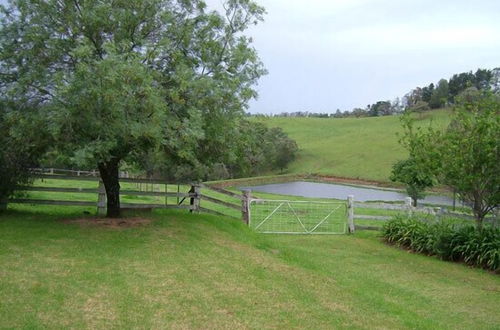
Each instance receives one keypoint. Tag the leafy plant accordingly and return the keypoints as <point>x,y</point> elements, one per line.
<point>480,248</point>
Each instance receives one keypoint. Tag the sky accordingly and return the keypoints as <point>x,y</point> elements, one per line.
<point>324,55</point>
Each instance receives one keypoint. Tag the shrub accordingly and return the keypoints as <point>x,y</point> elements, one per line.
<point>453,242</point>
<point>17,154</point>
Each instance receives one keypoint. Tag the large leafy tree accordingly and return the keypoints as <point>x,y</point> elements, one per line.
<point>465,155</point>
<point>118,79</point>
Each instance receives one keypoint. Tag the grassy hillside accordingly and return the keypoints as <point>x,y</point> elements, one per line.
<point>362,148</point>
<point>200,271</point>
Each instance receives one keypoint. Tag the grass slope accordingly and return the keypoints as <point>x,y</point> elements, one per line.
<point>362,148</point>
<point>200,271</point>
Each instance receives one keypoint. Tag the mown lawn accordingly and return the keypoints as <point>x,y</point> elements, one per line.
<point>200,271</point>
<point>364,148</point>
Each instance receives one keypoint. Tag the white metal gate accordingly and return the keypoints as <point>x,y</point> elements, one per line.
<point>298,217</point>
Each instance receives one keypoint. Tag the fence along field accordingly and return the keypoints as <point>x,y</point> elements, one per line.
<point>270,215</point>
<point>335,217</point>
<point>84,188</point>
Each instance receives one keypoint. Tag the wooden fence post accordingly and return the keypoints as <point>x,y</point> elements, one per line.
<point>166,194</point>
<point>245,206</point>
<point>178,192</point>
<point>101,199</point>
<point>195,199</point>
<point>409,205</point>
<point>350,213</point>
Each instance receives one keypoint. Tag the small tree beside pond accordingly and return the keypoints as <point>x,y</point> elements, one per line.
<point>416,180</point>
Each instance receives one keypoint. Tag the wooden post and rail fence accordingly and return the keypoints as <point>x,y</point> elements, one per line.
<point>406,208</point>
<point>190,200</point>
<point>195,194</point>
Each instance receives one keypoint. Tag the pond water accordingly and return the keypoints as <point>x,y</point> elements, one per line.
<point>338,191</point>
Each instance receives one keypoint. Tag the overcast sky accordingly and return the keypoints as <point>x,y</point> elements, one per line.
<point>327,54</point>
<point>324,55</point>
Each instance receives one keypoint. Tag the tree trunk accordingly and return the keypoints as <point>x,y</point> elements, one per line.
<point>479,224</point>
<point>414,198</point>
<point>109,176</point>
<point>479,214</point>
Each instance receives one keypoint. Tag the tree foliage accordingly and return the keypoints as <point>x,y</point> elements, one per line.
<point>14,168</point>
<point>439,96</point>
<point>21,143</point>
<point>119,80</point>
<point>254,149</point>
<point>262,149</point>
<point>419,107</point>
<point>466,155</point>
<point>415,177</point>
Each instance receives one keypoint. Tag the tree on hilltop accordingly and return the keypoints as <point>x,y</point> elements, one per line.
<point>439,95</point>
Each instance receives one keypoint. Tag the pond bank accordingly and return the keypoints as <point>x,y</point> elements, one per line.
<point>272,179</point>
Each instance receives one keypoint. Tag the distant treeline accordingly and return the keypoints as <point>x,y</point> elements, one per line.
<point>419,99</point>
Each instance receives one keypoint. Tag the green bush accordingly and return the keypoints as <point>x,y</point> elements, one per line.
<point>448,241</point>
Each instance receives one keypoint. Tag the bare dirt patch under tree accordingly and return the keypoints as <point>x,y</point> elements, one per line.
<point>109,222</point>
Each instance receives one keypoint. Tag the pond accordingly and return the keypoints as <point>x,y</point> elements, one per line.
<point>338,191</point>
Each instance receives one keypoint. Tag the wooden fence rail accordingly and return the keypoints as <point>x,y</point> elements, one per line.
<point>242,206</point>
<point>407,208</point>
<point>190,200</point>
<point>57,171</point>
<point>100,204</point>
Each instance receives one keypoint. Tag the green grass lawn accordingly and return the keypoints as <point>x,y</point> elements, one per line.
<point>198,271</point>
<point>362,148</point>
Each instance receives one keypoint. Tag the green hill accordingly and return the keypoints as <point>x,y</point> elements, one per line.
<point>363,148</point>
